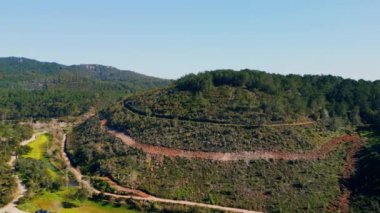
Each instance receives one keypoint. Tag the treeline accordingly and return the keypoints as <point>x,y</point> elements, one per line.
<point>356,101</point>
<point>21,104</point>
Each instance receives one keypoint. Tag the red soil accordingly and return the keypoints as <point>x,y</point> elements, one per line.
<point>234,156</point>
<point>342,202</point>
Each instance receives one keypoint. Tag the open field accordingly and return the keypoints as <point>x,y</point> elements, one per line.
<point>55,202</point>
<point>38,151</point>
<point>38,147</point>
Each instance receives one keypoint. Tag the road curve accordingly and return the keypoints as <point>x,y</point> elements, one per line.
<point>146,197</point>
<point>21,189</point>
<point>236,156</point>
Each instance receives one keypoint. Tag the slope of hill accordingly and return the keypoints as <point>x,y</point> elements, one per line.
<point>29,88</point>
<point>228,113</point>
<point>246,110</point>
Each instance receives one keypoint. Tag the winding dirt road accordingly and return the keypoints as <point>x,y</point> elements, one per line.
<point>217,156</point>
<point>258,155</point>
<point>21,189</point>
<point>138,195</point>
<point>236,156</point>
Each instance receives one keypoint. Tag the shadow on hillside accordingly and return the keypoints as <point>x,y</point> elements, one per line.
<point>365,184</point>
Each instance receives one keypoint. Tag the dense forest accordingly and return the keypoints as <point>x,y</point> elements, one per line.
<point>346,98</point>
<point>255,97</point>
<point>33,89</point>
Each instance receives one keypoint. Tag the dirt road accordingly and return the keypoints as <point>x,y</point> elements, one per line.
<point>235,156</point>
<point>21,189</point>
<point>218,156</point>
<point>139,195</point>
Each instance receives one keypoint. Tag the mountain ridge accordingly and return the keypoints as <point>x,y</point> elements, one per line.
<point>13,62</point>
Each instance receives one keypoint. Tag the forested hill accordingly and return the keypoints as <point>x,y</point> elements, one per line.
<point>253,97</point>
<point>17,69</point>
<point>235,113</point>
<point>34,89</point>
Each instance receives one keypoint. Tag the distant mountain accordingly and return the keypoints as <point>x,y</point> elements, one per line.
<point>30,88</point>
<point>24,69</point>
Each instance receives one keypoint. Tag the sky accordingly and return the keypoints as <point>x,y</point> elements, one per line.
<point>170,38</point>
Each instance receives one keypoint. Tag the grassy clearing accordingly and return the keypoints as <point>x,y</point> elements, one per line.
<point>38,151</point>
<point>93,207</point>
<point>54,202</point>
<point>38,147</point>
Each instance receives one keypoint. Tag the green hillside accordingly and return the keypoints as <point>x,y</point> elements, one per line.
<point>244,111</point>
<point>234,112</point>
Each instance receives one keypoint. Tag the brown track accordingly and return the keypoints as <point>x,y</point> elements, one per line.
<point>342,203</point>
<point>235,156</point>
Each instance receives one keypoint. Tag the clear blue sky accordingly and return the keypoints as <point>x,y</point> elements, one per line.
<point>169,38</point>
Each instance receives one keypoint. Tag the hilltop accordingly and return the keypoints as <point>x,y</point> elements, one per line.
<point>227,110</point>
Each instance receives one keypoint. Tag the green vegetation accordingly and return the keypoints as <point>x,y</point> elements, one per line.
<point>89,137</point>
<point>258,185</point>
<point>235,111</point>
<point>66,201</point>
<point>33,89</point>
<point>10,136</point>
<point>228,111</point>
<point>224,111</point>
<point>42,171</point>
<point>7,184</point>
<point>254,97</point>
<point>36,90</point>
<point>191,135</point>
<point>366,182</point>
<point>36,170</point>
<point>38,147</point>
